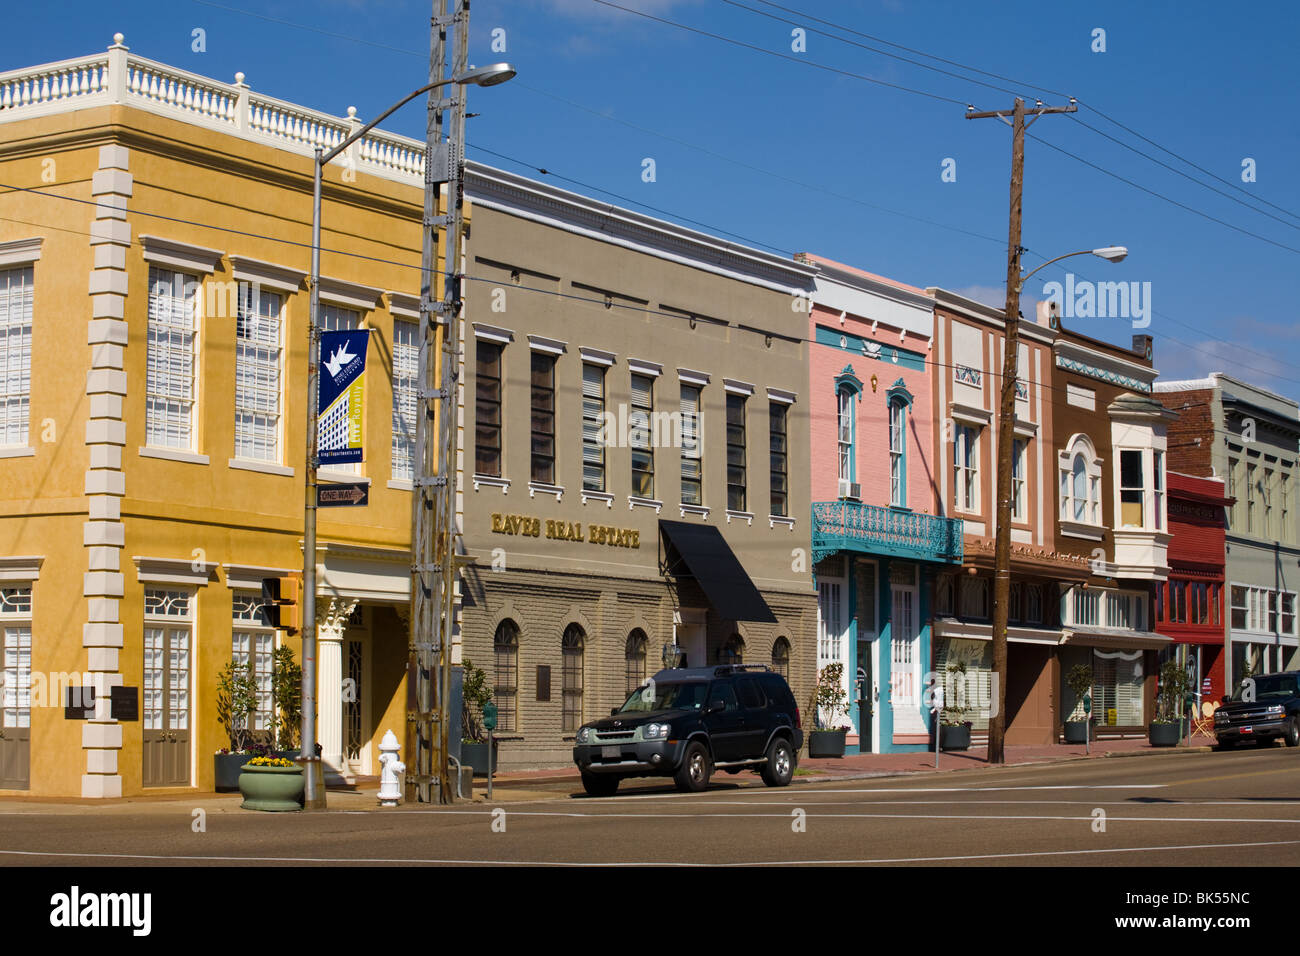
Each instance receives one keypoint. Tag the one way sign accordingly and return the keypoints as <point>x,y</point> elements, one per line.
<point>352,493</point>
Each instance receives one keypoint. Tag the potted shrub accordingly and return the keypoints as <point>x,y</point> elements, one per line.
<point>474,739</point>
<point>830,708</point>
<point>286,690</point>
<point>1079,680</point>
<point>271,783</point>
<point>1166,729</point>
<point>954,728</point>
<point>236,703</point>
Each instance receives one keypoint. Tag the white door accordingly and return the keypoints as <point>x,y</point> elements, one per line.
<point>905,661</point>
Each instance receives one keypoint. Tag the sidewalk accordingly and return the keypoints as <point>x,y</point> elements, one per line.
<point>883,765</point>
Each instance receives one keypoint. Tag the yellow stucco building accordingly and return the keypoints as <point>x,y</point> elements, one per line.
<point>155,235</point>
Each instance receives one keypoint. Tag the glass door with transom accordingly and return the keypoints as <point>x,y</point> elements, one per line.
<point>168,634</point>
<point>15,694</point>
<point>904,651</point>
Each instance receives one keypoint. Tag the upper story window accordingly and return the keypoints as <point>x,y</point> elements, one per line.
<point>737,471</point>
<point>1019,469</point>
<point>692,470</point>
<point>15,354</point>
<point>543,408</point>
<point>170,360</point>
<point>1080,482</point>
<point>899,401</point>
<point>844,432</point>
<point>487,407</point>
<point>974,597</point>
<point>640,436</point>
<point>777,419</point>
<point>1103,607</point>
<point>593,427</point>
<point>966,468</point>
<point>259,341</point>
<point>406,372</point>
<point>1141,485</point>
<point>1252,522</point>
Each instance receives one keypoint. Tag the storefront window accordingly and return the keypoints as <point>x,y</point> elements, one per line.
<point>1117,688</point>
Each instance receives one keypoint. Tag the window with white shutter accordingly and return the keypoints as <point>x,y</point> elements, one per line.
<point>406,369</point>
<point>593,432</point>
<point>170,360</point>
<point>258,356</point>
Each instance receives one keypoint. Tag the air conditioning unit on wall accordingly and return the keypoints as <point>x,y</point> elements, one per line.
<point>850,490</point>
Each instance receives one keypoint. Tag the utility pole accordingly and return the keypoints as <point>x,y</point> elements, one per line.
<point>1007,414</point>
<point>433,494</point>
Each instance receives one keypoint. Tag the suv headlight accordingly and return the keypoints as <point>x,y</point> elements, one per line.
<point>1277,709</point>
<point>655,731</point>
<point>584,733</point>
<point>1220,717</point>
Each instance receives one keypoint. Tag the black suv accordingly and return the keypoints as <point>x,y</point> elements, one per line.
<point>1264,707</point>
<point>685,722</point>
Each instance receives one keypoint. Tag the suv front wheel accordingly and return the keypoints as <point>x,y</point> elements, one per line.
<point>693,774</point>
<point>779,769</point>
<point>600,785</point>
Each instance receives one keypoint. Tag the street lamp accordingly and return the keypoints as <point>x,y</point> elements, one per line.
<point>314,791</point>
<point>1002,533</point>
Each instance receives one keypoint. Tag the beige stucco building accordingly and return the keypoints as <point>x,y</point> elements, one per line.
<point>600,521</point>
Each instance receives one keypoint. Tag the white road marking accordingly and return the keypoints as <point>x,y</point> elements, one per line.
<point>554,863</point>
<point>578,814</point>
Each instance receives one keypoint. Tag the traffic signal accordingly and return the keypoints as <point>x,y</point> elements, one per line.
<point>280,602</point>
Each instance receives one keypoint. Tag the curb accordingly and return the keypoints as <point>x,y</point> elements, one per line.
<point>1162,752</point>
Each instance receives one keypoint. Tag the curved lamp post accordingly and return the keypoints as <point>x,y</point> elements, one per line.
<point>314,792</point>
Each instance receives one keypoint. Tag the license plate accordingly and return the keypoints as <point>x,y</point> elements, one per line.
<point>1248,730</point>
<point>608,752</point>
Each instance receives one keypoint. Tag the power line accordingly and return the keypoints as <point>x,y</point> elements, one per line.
<point>627,199</point>
<point>781,56</point>
<point>1158,195</point>
<point>863,46</point>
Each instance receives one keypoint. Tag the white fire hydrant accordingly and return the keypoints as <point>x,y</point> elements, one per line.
<point>390,777</point>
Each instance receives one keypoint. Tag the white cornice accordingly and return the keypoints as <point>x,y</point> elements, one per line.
<point>20,252</point>
<point>404,304</point>
<point>349,294</point>
<point>269,274</point>
<point>21,567</point>
<point>182,255</point>
<point>174,570</point>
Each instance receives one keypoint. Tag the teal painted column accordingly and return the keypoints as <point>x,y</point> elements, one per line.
<point>884,709</point>
<point>923,612</point>
<point>852,638</point>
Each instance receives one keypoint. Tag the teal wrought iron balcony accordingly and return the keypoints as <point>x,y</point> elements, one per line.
<point>871,529</point>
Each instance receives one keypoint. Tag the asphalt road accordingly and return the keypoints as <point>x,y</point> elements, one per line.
<point>1230,809</point>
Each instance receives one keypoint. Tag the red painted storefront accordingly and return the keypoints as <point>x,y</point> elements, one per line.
<point>1191,606</point>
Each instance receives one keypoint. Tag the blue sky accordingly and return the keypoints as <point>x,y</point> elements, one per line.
<point>790,157</point>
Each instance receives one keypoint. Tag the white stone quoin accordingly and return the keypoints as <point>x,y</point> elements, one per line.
<point>104,534</point>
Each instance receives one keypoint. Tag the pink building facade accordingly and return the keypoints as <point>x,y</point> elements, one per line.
<point>877,540</point>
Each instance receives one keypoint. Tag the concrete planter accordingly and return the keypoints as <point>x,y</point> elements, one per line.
<point>226,769</point>
<point>826,743</point>
<point>476,755</point>
<point>1076,731</point>
<point>954,737</point>
<point>277,789</point>
<point>1164,735</point>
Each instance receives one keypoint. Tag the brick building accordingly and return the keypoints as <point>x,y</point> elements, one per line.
<point>1190,606</point>
<point>1248,437</point>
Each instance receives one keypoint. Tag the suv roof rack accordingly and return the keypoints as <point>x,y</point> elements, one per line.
<point>723,669</point>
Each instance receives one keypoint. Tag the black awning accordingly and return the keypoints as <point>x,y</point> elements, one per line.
<point>699,551</point>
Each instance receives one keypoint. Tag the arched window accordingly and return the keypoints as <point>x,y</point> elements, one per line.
<point>634,656</point>
<point>1080,482</point>
<point>571,648</point>
<point>900,402</point>
<point>732,652</point>
<point>505,689</point>
<point>781,657</point>
<point>847,387</point>
<point>844,431</point>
